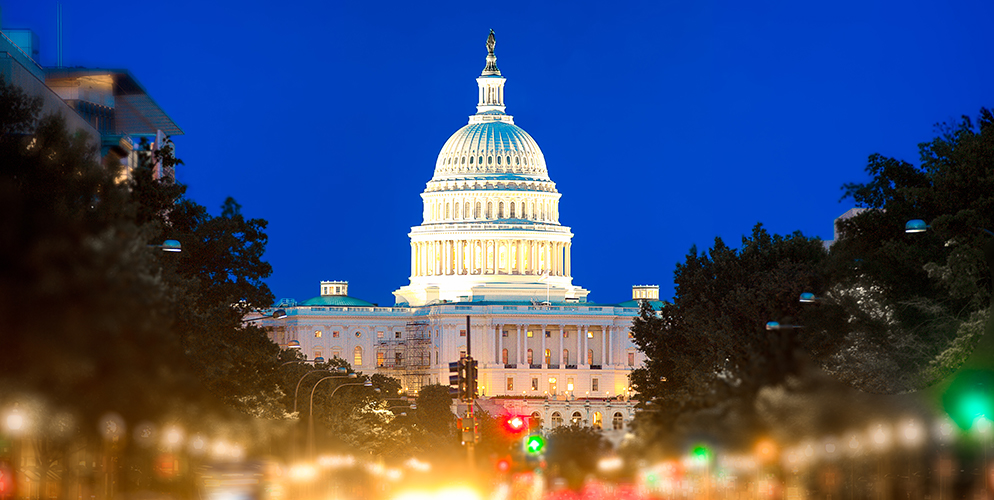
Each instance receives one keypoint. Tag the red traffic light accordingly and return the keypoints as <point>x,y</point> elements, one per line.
<point>515,424</point>
<point>503,464</point>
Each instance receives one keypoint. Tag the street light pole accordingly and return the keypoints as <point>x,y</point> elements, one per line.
<point>310,414</point>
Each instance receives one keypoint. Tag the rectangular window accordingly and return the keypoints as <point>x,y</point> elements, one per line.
<point>510,383</point>
<point>631,359</point>
<point>548,334</point>
<point>334,334</point>
<point>396,335</point>
<point>595,385</point>
<point>565,334</point>
<point>529,334</point>
<point>379,359</point>
<point>630,335</point>
<point>590,334</point>
<point>503,334</point>
<point>379,334</point>
<point>317,334</point>
<point>534,384</point>
<point>398,359</point>
<point>462,333</point>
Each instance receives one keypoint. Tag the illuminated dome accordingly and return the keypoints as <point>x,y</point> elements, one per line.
<point>490,146</point>
<point>490,228</point>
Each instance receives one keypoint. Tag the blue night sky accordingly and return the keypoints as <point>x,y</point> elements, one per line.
<point>664,123</point>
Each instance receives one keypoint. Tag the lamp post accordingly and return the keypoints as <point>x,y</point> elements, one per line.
<point>296,392</point>
<point>169,246</point>
<point>15,424</point>
<point>310,414</point>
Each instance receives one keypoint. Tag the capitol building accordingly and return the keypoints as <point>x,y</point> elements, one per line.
<point>491,277</point>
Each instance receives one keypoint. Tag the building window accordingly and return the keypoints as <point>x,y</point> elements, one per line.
<point>503,356</point>
<point>595,385</point>
<point>597,423</point>
<point>379,334</point>
<point>396,335</point>
<point>534,384</point>
<point>590,356</point>
<point>379,359</point>
<point>590,334</point>
<point>334,334</point>
<point>503,334</point>
<point>548,356</point>
<point>618,421</point>
<point>510,383</point>
<point>565,356</point>
<point>530,334</point>
<point>462,333</point>
<point>548,334</point>
<point>317,334</point>
<point>630,334</point>
<point>335,353</point>
<point>357,355</point>
<point>557,419</point>
<point>631,359</point>
<point>358,334</point>
<point>576,419</point>
<point>565,334</point>
<point>398,359</point>
<point>531,358</point>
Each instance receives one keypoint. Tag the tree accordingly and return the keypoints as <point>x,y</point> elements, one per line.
<point>709,353</point>
<point>573,452</point>
<point>915,305</point>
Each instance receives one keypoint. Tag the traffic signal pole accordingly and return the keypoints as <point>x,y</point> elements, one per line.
<point>471,396</point>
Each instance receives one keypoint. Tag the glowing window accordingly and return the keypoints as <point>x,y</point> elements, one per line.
<point>503,356</point>
<point>380,359</point>
<point>510,383</point>
<point>548,356</point>
<point>597,420</point>
<point>590,356</point>
<point>529,334</point>
<point>576,419</point>
<point>317,334</point>
<point>358,334</point>
<point>357,356</point>
<point>590,334</point>
<point>534,384</point>
<point>379,334</point>
<point>334,334</point>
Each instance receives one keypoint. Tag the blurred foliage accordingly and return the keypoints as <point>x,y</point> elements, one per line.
<point>572,452</point>
<point>895,312</point>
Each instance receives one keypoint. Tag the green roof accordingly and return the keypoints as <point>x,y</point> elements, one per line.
<point>336,300</point>
<point>656,304</point>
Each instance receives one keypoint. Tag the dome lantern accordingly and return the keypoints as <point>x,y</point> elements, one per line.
<point>490,82</point>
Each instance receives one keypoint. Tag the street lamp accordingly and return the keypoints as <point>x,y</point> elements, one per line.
<point>310,414</point>
<point>276,314</point>
<point>169,246</point>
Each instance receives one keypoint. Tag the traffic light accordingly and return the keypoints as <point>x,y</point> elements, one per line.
<point>468,429</point>
<point>470,379</point>
<point>503,464</point>
<point>534,444</point>
<point>457,379</point>
<point>969,397</point>
<point>515,424</point>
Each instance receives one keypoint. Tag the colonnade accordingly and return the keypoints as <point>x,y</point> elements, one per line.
<point>489,208</point>
<point>490,256</point>
<point>581,344</point>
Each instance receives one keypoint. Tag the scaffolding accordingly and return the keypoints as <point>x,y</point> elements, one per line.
<point>407,357</point>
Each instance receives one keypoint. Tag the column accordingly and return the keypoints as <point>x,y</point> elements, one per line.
<point>604,330</point>
<point>581,353</point>
<point>459,254</point>
<point>520,354</point>
<point>610,345</point>
<point>500,346</point>
<point>542,354</point>
<point>569,260</point>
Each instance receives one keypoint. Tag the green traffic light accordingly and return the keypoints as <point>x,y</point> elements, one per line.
<point>700,453</point>
<point>534,444</point>
<point>969,397</point>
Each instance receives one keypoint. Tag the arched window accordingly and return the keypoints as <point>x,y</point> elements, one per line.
<point>512,210</point>
<point>476,214</point>
<point>565,356</point>
<point>357,356</point>
<point>465,212</point>
<point>498,160</point>
<point>531,210</point>
<point>470,160</point>
<point>500,209</point>
<point>548,356</point>
<point>590,356</point>
<point>517,160</point>
<point>490,160</point>
<point>536,420</point>
<point>557,419</point>
<point>479,159</point>
<point>490,209</point>
<point>531,357</point>
<point>618,422</point>
<point>463,160</point>
<point>576,419</point>
<point>503,356</point>
<point>508,160</point>
<point>455,211</point>
<point>448,208</point>
<point>597,423</point>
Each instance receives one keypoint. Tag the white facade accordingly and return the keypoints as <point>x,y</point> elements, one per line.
<point>490,248</point>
